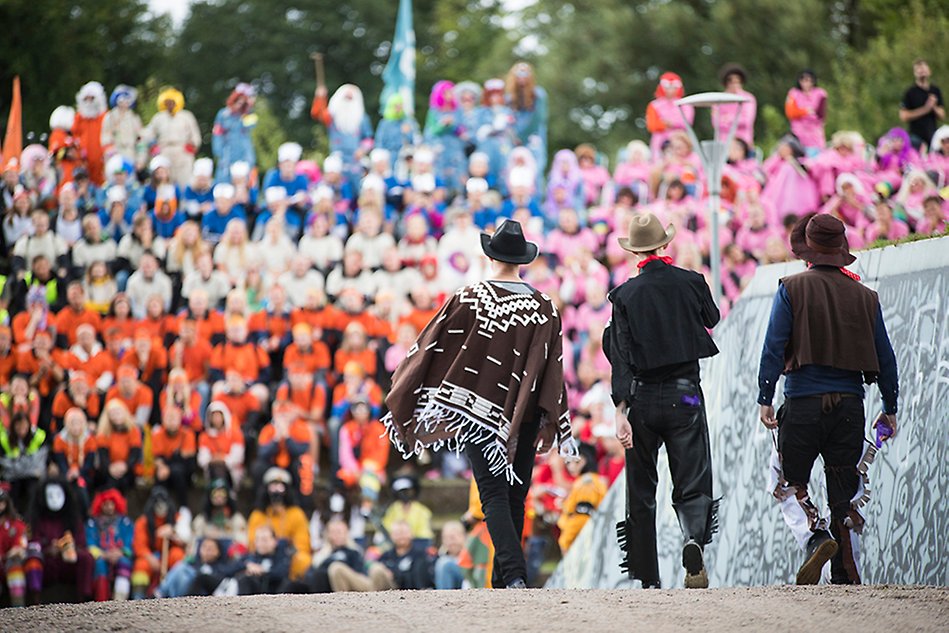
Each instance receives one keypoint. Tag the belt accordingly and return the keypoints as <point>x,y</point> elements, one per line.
<point>685,383</point>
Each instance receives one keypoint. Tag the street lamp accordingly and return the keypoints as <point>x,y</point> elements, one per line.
<point>713,155</point>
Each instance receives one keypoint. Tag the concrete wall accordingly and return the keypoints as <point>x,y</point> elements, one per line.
<point>906,539</point>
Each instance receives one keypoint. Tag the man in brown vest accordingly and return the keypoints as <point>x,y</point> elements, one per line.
<point>827,336</point>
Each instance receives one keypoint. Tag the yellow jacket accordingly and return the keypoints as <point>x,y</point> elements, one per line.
<point>585,496</point>
<point>289,524</point>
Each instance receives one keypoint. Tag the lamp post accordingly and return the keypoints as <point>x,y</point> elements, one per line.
<point>713,155</point>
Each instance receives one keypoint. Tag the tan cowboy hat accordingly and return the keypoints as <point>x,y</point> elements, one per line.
<point>646,234</point>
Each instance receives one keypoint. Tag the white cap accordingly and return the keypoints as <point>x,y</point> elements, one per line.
<point>116,193</point>
<point>223,190</point>
<point>372,182</point>
<point>323,193</point>
<point>521,177</point>
<point>333,164</point>
<point>114,165</point>
<point>479,157</point>
<point>379,155</point>
<point>289,151</point>
<point>476,185</point>
<point>423,155</point>
<point>159,161</point>
<point>423,183</point>
<point>165,192</point>
<point>275,194</point>
<point>203,167</point>
<point>240,169</point>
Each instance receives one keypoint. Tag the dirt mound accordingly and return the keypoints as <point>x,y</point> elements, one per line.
<point>864,609</point>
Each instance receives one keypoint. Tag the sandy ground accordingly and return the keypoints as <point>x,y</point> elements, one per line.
<point>860,609</point>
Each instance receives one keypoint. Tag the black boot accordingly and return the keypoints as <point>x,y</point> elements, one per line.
<point>820,548</point>
<point>692,559</point>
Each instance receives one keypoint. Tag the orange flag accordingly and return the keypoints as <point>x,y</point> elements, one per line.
<point>13,141</point>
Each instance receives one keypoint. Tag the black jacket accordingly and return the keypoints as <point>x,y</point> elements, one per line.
<point>660,319</point>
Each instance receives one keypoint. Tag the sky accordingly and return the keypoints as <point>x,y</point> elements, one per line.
<point>177,8</point>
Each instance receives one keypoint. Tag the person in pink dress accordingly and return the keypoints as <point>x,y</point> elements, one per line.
<point>845,155</point>
<point>569,236</point>
<point>564,183</point>
<point>850,205</point>
<point>806,109</point>
<point>733,78</point>
<point>895,156</point>
<point>884,226</point>
<point>595,177</point>
<point>663,117</point>
<point>577,268</point>
<point>678,162</point>
<point>634,170</point>
<point>916,187</point>
<point>935,217</point>
<point>753,235</point>
<point>789,188</point>
<point>737,270</point>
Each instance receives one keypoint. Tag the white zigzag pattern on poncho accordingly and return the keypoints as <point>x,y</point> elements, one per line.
<point>495,313</point>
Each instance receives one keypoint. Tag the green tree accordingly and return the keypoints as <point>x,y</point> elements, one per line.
<point>56,47</point>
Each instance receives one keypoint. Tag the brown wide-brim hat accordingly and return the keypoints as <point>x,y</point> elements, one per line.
<point>646,234</point>
<point>821,239</point>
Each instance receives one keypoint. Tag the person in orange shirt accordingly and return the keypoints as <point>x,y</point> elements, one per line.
<point>424,308</point>
<point>355,348</point>
<point>41,365</point>
<point>74,314</point>
<point>174,449</point>
<point>136,397</point>
<point>158,543</point>
<point>209,323</point>
<point>243,405</point>
<point>307,350</point>
<point>193,355</point>
<point>83,350</point>
<point>74,450</point>
<point>354,386</point>
<point>242,356</point>
<point>36,317</point>
<point>149,356</point>
<point>180,395</point>
<point>120,317</point>
<point>315,311</point>
<point>7,356</point>
<point>270,327</point>
<point>285,443</point>
<point>20,397</point>
<point>363,453</point>
<point>160,324</point>
<point>76,394</point>
<point>309,397</point>
<point>352,309</point>
<point>103,367</point>
<point>221,446</point>
<point>119,444</point>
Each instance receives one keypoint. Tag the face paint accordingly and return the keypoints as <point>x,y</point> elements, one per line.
<point>55,497</point>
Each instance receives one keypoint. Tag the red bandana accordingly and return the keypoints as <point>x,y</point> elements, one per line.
<point>849,273</point>
<point>653,258</point>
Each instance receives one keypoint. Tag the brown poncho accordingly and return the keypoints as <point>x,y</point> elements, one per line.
<point>490,360</point>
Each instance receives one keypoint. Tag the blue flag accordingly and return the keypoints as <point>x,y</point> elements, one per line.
<point>399,74</point>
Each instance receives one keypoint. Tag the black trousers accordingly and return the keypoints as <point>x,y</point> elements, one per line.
<point>503,504</point>
<point>832,427</point>
<point>670,413</point>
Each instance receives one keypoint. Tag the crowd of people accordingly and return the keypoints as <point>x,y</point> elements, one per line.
<point>169,320</point>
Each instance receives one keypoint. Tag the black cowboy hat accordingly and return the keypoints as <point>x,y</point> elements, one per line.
<point>508,244</point>
<point>821,239</point>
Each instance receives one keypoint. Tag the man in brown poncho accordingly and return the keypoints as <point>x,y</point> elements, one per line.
<point>486,377</point>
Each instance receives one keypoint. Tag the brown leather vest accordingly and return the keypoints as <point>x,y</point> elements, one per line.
<point>834,322</point>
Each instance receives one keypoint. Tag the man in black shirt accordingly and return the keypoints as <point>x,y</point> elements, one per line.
<point>657,334</point>
<point>922,106</point>
<point>409,568</point>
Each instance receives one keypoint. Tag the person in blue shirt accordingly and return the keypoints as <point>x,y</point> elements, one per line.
<point>483,216</point>
<point>285,175</point>
<point>165,216</point>
<point>278,205</point>
<point>160,169</point>
<point>198,197</point>
<point>245,188</point>
<point>215,221</point>
<point>521,182</point>
<point>396,129</point>
<point>827,336</point>
<point>231,139</point>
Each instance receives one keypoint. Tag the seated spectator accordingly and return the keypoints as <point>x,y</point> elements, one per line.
<point>235,253</point>
<point>935,217</point>
<point>13,548</point>
<point>220,519</point>
<point>363,454</point>
<point>214,223</point>
<point>159,542</point>
<point>448,573</point>
<point>214,283</point>
<point>74,450</point>
<point>322,247</point>
<point>184,249</point>
<point>145,282</point>
<point>132,248</point>
<point>160,325</point>
<point>109,535</point>
<point>276,249</point>
<point>585,495</point>
<point>408,509</point>
<point>75,313</point>
<point>221,445</point>
<point>276,508</point>
<point>119,442</point>
<point>309,397</point>
<point>417,243</point>
<point>197,199</point>
<point>593,176</point>
<point>239,400</point>
<point>150,358</point>
<point>916,187</point>
<point>407,566</point>
<point>569,236</point>
<point>179,395</point>
<point>57,552</point>
<point>165,216</point>
<point>208,321</point>
<point>43,242</point>
<point>350,274</point>
<point>193,355</point>
<point>100,287</point>
<point>285,443</point>
<point>343,565</point>
<point>42,365</point>
<point>22,456</point>
<point>76,394</point>
<point>238,354</point>
<point>200,575</point>
<point>173,450</point>
<point>289,220</point>
<point>355,348</point>
<point>119,318</point>
<point>884,225</point>
<point>395,277</point>
<point>299,279</point>
<point>633,172</point>
<point>84,348</point>
<point>137,397</point>
<point>267,568</point>
<point>94,246</point>
<point>369,239</point>
<point>405,337</point>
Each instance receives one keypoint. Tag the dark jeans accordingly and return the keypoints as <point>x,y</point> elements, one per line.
<point>670,413</point>
<point>832,427</point>
<point>503,504</point>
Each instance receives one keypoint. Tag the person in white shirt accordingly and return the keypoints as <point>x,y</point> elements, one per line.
<point>299,279</point>
<point>148,280</point>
